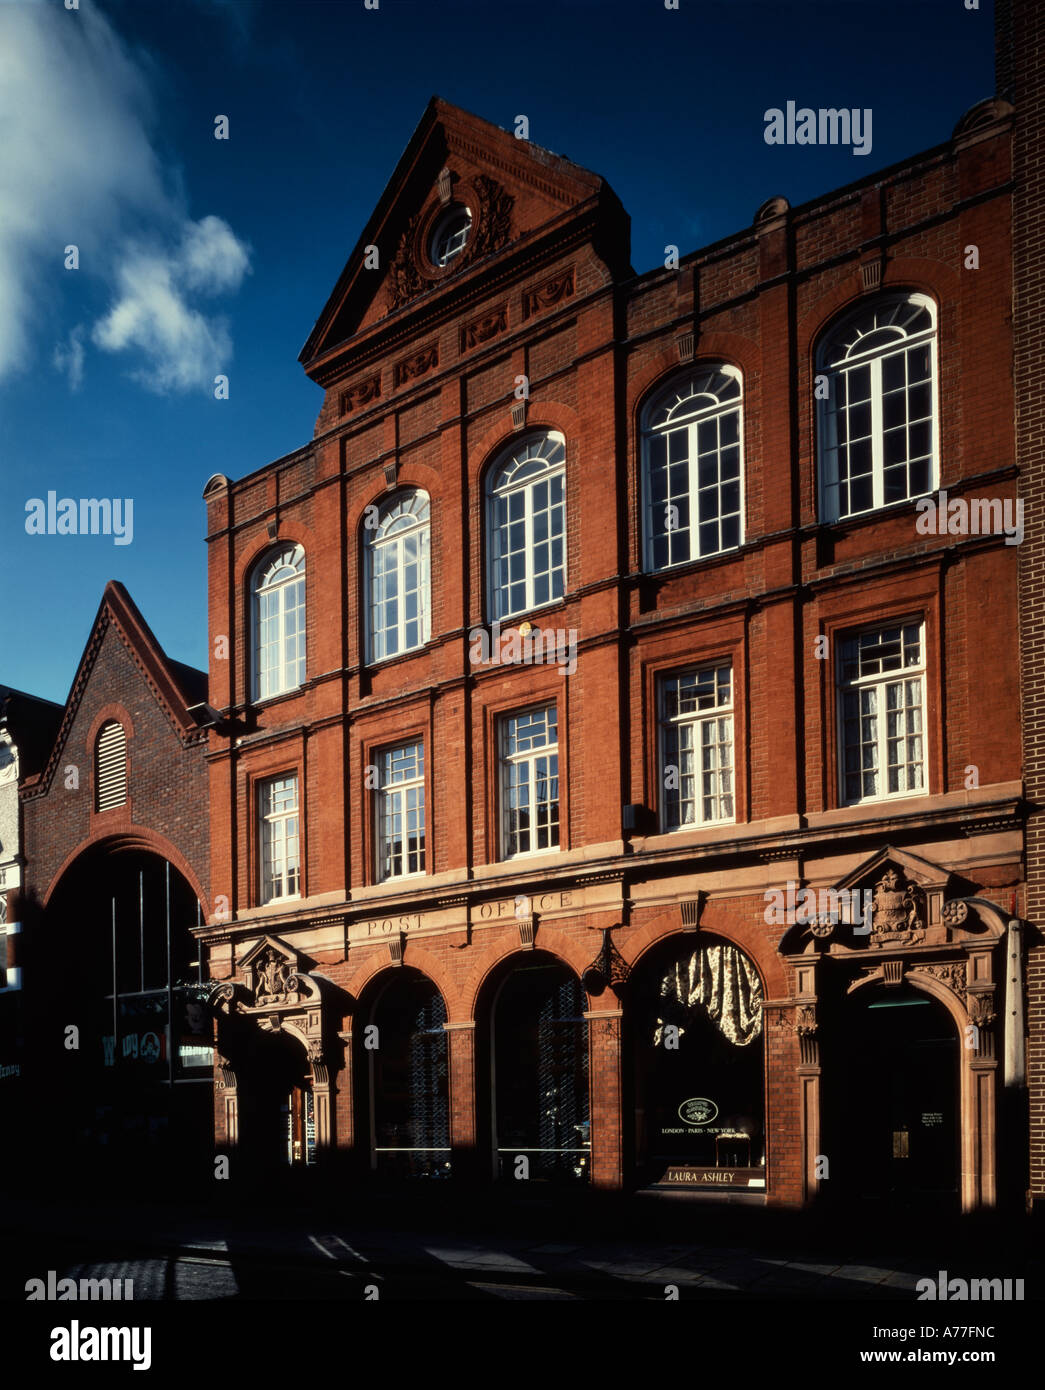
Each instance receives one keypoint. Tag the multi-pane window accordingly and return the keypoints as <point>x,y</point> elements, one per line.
<point>110,767</point>
<point>878,421</point>
<point>279,622</point>
<point>530,782</point>
<point>401,811</point>
<point>451,234</point>
<point>696,747</point>
<point>882,696</point>
<point>399,580</point>
<point>526,499</point>
<point>280,839</point>
<point>692,468</point>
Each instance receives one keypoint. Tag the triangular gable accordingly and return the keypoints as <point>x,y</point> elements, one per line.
<point>264,944</point>
<point>919,871</point>
<point>174,685</point>
<point>514,188</point>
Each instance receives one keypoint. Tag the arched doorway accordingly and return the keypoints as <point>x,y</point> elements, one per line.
<point>538,1071</point>
<point>277,1126</point>
<point>133,1095</point>
<point>407,1080</point>
<point>697,1034</point>
<point>892,1107</point>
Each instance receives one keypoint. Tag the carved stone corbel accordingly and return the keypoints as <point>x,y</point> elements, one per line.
<point>805,1025</point>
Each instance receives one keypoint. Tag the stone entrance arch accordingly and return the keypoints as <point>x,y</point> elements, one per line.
<point>276,1001</point>
<point>914,934</point>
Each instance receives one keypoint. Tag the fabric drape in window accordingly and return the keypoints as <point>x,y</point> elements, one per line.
<point>720,981</point>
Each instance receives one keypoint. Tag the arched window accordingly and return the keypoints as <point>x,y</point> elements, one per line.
<point>526,501</point>
<point>110,767</point>
<point>279,622</point>
<point>877,424</point>
<point>692,467</point>
<point>398,576</point>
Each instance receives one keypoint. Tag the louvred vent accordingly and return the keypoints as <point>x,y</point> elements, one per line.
<point>111,767</point>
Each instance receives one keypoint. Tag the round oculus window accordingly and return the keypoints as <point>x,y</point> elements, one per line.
<point>450,235</point>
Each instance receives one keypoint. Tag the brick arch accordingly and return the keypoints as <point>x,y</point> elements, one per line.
<point>734,349</point>
<point>105,714</point>
<point>553,941</point>
<point>133,837</point>
<point>417,958</point>
<point>917,274</point>
<point>417,477</point>
<point>257,549</point>
<point>747,938</point>
<point>540,415</point>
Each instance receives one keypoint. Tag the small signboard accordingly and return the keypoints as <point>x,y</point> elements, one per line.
<point>694,1175</point>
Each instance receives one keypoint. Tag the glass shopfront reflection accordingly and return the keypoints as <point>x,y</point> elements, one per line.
<point>699,1052</point>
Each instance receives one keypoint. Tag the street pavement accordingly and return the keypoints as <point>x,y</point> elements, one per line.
<point>648,1246</point>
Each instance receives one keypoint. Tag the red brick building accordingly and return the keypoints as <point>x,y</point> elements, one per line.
<point>595,623</point>
<point>1020,43</point>
<point>116,843</point>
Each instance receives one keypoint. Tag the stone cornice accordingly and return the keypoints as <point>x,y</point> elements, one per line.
<point>719,856</point>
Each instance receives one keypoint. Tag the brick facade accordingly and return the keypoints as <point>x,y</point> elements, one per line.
<point>421,369</point>
<point>1020,43</point>
<point>94,872</point>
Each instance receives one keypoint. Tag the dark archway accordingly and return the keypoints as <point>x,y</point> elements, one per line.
<point>534,1045</point>
<point>891,1103</point>
<point>276,1103</point>
<point>698,1044</point>
<point>403,1112</point>
<point>132,1084</point>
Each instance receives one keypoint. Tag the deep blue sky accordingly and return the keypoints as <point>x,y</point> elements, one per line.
<point>322,96</point>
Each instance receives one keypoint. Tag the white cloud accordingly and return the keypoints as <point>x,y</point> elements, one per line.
<point>211,259</point>
<point>181,347</point>
<point>68,358</point>
<point>77,167</point>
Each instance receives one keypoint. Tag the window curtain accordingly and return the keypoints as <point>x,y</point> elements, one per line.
<point>721,981</point>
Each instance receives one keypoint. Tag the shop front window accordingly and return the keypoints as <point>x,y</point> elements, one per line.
<point>700,1058</point>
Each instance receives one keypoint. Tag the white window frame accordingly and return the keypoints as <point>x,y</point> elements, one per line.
<point>501,484</point>
<point>839,353</point>
<point>10,975</point>
<point>527,759</point>
<point>721,677</point>
<point>275,832</point>
<point>455,241</point>
<point>668,414</point>
<point>879,682</point>
<point>290,674</point>
<point>393,798</point>
<point>406,514</point>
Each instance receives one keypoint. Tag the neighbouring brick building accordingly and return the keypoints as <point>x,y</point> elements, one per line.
<point>595,623</point>
<point>1020,43</point>
<point>27,729</point>
<point>116,847</point>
